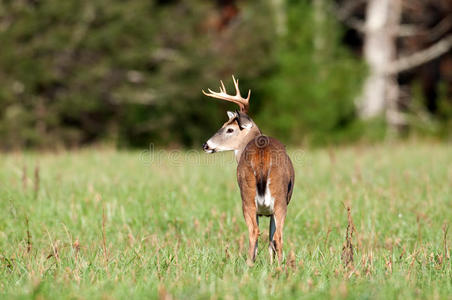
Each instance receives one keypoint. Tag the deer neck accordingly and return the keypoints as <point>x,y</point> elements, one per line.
<point>254,132</point>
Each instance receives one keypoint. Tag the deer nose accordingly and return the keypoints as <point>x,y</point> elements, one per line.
<point>205,146</point>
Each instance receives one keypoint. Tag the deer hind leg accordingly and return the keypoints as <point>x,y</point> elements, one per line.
<point>251,220</point>
<point>280,216</point>
<point>257,239</point>
<point>271,245</point>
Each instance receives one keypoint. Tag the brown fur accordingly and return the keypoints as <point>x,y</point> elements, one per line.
<point>265,157</point>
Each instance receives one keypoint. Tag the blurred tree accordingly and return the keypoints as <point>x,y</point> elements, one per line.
<point>404,41</point>
<point>64,64</point>
<point>380,88</point>
<point>77,72</point>
<point>310,95</point>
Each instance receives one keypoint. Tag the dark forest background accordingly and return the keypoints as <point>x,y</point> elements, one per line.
<point>130,73</point>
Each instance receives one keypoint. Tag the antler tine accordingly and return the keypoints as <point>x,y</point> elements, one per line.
<point>222,88</point>
<point>237,98</point>
<point>236,85</point>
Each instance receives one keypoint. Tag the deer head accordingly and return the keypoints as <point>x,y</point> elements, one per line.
<point>238,130</point>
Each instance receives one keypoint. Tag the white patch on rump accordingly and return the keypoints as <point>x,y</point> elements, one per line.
<point>265,204</point>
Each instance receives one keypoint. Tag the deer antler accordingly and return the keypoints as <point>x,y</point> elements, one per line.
<point>237,99</point>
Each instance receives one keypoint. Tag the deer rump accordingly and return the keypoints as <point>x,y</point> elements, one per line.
<point>266,168</point>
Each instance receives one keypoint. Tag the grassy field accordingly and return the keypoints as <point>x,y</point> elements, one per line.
<point>111,225</point>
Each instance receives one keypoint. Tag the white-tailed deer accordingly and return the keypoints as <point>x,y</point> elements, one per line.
<point>264,173</point>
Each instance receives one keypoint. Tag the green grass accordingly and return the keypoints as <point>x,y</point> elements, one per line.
<point>174,228</point>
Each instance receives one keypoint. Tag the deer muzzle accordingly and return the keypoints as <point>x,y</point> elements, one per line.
<point>207,148</point>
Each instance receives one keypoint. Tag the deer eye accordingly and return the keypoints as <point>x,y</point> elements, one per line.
<point>229,130</point>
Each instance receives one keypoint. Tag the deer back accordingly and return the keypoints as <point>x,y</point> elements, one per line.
<point>265,172</point>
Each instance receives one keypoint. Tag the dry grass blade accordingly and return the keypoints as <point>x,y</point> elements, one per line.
<point>54,252</point>
<point>104,240</point>
<point>327,236</point>
<point>76,247</point>
<point>8,262</point>
<point>419,232</point>
<point>226,252</point>
<point>29,244</point>
<point>388,263</point>
<point>291,260</point>
<point>445,230</point>
<point>347,249</point>
<point>36,186</point>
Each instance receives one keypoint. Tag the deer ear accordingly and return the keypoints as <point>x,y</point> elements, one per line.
<point>231,115</point>
<point>246,125</point>
<point>244,121</point>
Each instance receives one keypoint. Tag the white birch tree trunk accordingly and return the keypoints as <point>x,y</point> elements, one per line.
<point>380,89</point>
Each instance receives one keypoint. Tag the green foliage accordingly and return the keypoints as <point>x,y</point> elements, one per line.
<point>64,64</point>
<point>425,123</point>
<point>129,73</point>
<point>445,112</point>
<point>311,94</point>
<point>76,72</point>
<point>173,225</point>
